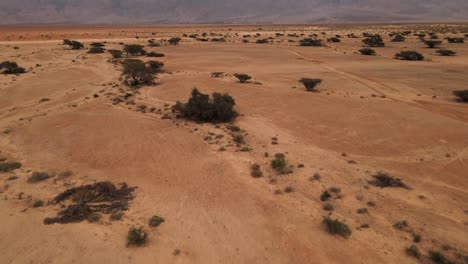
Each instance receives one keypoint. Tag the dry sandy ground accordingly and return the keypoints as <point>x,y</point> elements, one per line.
<point>373,113</point>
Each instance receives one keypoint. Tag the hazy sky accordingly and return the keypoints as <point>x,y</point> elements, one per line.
<point>229,11</point>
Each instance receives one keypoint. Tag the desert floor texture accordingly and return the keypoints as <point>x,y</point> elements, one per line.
<point>371,114</point>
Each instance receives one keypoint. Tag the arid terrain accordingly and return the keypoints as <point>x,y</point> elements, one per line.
<point>73,117</point>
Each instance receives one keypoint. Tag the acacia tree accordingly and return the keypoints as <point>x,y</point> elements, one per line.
<point>139,72</point>
<point>134,49</point>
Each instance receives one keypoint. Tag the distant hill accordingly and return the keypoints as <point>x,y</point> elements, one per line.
<point>229,11</point>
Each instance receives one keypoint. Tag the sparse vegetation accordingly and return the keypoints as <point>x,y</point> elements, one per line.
<point>11,67</point>
<point>73,44</point>
<point>154,54</point>
<point>398,38</point>
<point>101,197</point>
<point>38,177</point>
<point>136,236</point>
<point>383,180</point>
<point>140,73</point>
<point>444,52</point>
<point>374,41</point>
<point>94,217</point>
<point>116,54</point>
<point>242,77</point>
<point>413,251</point>
<point>174,41</point>
<point>280,164</point>
<point>432,43</point>
<point>409,55</point>
<point>116,216</point>
<point>456,40</point>
<point>255,171</point>
<point>328,207</point>
<point>437,257</point>
<point>310,42</point>
<point>6,166</point>
<point>325,195</point>
<point>38,203</point>
<point>310,84</point>
<point>94,50</point>
<point>367,51</point>
<point>462,96</point>
<point>201,108</point>
<point>336,227</point>
<point>155,221</point>
<point>134,50</point>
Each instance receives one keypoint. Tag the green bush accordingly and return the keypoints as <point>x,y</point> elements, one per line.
<point>455,40</point>
<point>336,227</point>
<point>116,216</point>
<point>38,203</point>
<point>136,236</point>
<point>155,221</point>
<point>383,180</point>
<point>201,108</point>
<point>325,195</point>
<point>310,84</point>
<point>280,164</point>
<point>94,217</point>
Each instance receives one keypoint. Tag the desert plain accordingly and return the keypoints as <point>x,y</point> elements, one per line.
<point>71,115</point>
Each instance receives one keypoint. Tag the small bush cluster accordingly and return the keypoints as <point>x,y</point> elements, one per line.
<point>201,108</point>
<point>336,227</point>
<point>409,55</point>
<point>6,166</point>
<point>444,52</point>
<point>432,43</point>
<point>310,84</point>
<point>382,180</point>
<point>255,171</point>
<point>280,164</point>
<point>456,40</point>
<point>174,41</point>
<point>136,236</point>
<point>155,221</point>
<point>38,176</point>
<point>134,50</point>
<point>116,54</point>
<point>367,51</point>
<point>310,42</point>
<point>73,44</point>
<point>398,38</point>
<point>94,50</point>
<point>154,54</point>
<point>11,67</point>
<point>374,41</point>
